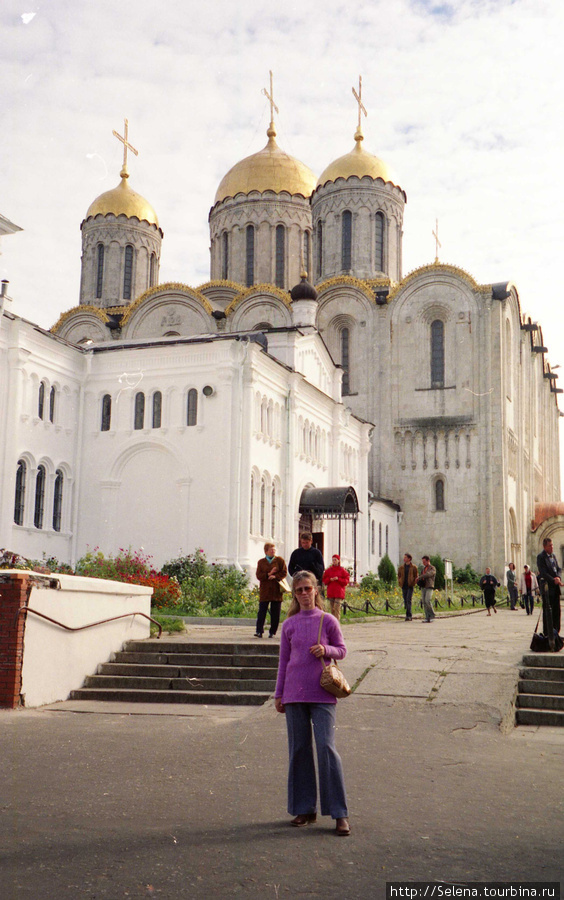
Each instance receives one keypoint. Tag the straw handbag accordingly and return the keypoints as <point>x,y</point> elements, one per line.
<point>332,679</point>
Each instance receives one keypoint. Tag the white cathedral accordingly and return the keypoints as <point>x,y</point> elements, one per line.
<point>307,384</point>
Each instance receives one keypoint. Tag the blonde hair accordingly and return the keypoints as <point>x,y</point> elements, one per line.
<point>269,544</point>
<point>297,579</point>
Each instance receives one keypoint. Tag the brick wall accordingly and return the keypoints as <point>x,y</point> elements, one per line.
<point>14,593</point>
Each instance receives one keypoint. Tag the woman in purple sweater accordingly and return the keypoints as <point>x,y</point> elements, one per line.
<point>299,695</point>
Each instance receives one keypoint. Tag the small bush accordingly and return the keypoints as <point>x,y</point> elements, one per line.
<point>370,583</point>
<point>211,588</point>
<point>131,567</point>
<point>467,575</point>
<point>386,570</point>
<point>439,565</point>
<point>169,624</point>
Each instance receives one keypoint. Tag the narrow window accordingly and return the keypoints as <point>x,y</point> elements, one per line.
<point>139,422</point>
<point>280,254</point>
<point>273,512</point>
<point>39,497</point>
<point>225,256</point>
<point>58,501</point>
<point>346,241</point>
<point>387,543</point>
<point>128,272</point>
<point>262,506</point>
<point>251,511</point>
<point>106,412</point>
<point>379,539</point>
<point>41,400</point>
<point>20,493</point>
<point>192,407</point>
<point>157,409</point>
<point>319,249</point>
<point>373,537</point>
<point>52,405</point>
<point>439,495</point>
<point>250,255</point>
<point>379,242</point>
<point>437,354</point>
<point>307,253</point>
<point>153,270</point>
<point>345,360</point>
<point>100,271</point>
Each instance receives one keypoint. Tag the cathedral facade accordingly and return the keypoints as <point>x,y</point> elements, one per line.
<point>307,361</point>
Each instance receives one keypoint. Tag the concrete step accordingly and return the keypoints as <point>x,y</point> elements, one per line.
<point>539,717</point>
<point>215,660</point>
<point>229,698</point>
<point>542,674</point>
<point>263,647</point>
<point>174,671</point>
<point>536,686</point>
<point>178,684</point>
<point>545,660</point>
<point>540,701</point>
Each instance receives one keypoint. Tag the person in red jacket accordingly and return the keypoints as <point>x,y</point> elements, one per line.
<point>336,579</point>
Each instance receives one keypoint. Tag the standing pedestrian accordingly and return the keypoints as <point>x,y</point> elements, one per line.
<point>528,587</point>
<point>488,584</point>
<point>308,636</point>
<point>307,558</point>
<point>427,583</point>
<point>549,580</point>
<point>271,569</point>
<point>335,578</point>
<point>407,578</point>
<point>511,579</point>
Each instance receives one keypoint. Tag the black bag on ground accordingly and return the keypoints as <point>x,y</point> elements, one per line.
<point>539,643</point>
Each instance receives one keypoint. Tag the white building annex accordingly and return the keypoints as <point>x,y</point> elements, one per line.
<point>169,417</point>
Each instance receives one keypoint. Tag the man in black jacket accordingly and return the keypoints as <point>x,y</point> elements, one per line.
<point>307,558</point>
<point>549,579</point>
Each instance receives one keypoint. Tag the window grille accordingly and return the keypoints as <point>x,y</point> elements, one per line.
<point>437,353</point>
<point>379,242</point>
<point>157,409</point>
<point>280,254</point>
<point>128,272</point>
<point>250,255</point>
<point>52,405</point>
<point>345,360</point>
<point>100,272</point>
<point>319,249</point>
<point>307,253</point>
<point>41,400</point>
<point>439,495</point>
<point>225,259</point>
<point>19,504</point>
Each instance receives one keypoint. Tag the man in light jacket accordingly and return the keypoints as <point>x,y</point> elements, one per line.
<point>427,583</point>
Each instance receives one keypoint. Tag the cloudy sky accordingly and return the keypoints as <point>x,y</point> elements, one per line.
<point>464,101</point>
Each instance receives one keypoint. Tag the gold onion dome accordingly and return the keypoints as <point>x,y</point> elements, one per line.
<point>123,201</point>
<point>271,169</point>
<point>358,162</point>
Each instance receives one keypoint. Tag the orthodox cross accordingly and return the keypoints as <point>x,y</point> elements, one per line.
<point>126,146</point>
<point>270,97</point>
<point>358,98</point>
<point>437,241</point>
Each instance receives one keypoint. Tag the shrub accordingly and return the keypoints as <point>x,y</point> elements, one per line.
<point>131,567</point>
<point>211,588</point>
<point>370,583</point>
<point>467,575</point>
<point>386,570</point>
<point>439,565</point>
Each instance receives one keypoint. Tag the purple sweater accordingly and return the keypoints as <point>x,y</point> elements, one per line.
<point>299,670</point>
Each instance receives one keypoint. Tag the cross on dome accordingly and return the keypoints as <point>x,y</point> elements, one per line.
<point>361,107</point>
<point>437,241</point>
<point>126,146</point>
<point>270,97</point>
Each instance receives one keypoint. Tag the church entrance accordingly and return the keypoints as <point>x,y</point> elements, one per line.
<point>337,503</point>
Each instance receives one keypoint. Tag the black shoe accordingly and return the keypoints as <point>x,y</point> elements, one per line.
<point>257,634</point>
<point>271,635</point>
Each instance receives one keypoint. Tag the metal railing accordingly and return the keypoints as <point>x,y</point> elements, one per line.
<point>92,624</point>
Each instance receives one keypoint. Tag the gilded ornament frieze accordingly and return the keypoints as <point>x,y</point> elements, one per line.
<point>76,311</point>
<point>441,268</point>
<point>347,281</point>
<point>163,290</point>
<point>269,289</point>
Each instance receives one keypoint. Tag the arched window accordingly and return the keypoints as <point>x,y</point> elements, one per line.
<point>262,506</point>
<point>52,405</point>
<point>345,360</point>
<point>439,495</point>
<point>39,497</point>
<point>346,254</point>
<point>139,422</point>
<point>250,259</point>
<point>153,270</point>
<point>373,537</point>
<point>319,249</point>
<point>252,509</point>
<point>273,523</point>
<point>379,242</point>
<point>280,254</point>
<point>128,272</point>
<point>106,412</point>
<point>192,407</point>
<point>157,409</point>
<point>41,400</point>
<point>437,354</point>
<point>19,504</point>
<point>379,539</point>
<point>100,271</point>
<point>307,253</point>
<point>225,256</point>
<point>58,500</point>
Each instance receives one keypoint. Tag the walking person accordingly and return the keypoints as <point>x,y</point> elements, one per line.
<point>426,581</point>
<point>271,569</point>
<point>528,587</point>
<point>407,578</point>
<point>511,579</point>
<point>488,584</point>
<point>307,558</point>
<point>308,636</point>
<point>549,580</point>
<point>335,578</point>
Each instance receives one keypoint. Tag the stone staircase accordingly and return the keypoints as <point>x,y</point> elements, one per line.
<point>540,698</point>
<point>157,671</point>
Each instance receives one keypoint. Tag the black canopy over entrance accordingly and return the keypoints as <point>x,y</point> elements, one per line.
<point>332,503</point>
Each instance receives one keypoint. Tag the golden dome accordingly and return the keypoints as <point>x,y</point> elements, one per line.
<point>358,162</point>
<point>268,170</point>
<point>123,201</point>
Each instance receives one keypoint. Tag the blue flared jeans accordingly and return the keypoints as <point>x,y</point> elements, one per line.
<point>301,718</point>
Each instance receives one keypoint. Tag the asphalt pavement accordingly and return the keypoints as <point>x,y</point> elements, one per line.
<point>107,800</point>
